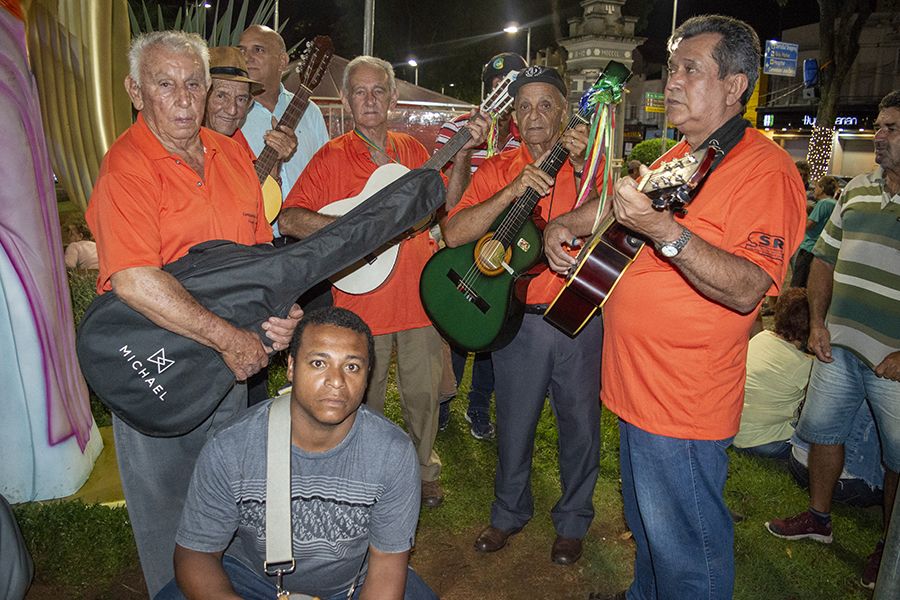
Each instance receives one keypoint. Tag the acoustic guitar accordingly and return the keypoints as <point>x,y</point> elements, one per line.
<point>474,293</point>
<point>371,273</point>
<point>605,257</point>
<point>311,68</point>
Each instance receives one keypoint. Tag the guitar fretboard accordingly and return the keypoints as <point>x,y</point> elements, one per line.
<point>292,115</point>
<point>524,204</point>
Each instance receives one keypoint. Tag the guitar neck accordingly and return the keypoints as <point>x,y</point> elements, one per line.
<point>292,115</point>
<point>453,145</point>
<point>524,204</point>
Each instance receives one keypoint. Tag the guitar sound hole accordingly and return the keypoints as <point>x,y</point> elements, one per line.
<point>492,255</point>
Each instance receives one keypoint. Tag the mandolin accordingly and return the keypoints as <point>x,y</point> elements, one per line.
<point>311,69</point>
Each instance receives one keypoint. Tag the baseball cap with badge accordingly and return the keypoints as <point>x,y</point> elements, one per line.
<point>538,74</point>
<point>500,65</point>
<point>227,62</point>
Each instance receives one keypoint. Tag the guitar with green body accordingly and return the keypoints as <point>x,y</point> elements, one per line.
<point>474,293</point>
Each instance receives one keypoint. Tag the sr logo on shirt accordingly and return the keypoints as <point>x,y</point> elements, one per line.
<point>766,244</point>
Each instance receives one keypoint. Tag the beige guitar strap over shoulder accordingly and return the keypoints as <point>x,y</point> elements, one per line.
<point>279,551</point>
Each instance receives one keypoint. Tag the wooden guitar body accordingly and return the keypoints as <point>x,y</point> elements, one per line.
<point>480,308</point>
<point>601,264</point>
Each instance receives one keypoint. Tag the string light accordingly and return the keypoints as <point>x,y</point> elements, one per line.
<point>819,153</point>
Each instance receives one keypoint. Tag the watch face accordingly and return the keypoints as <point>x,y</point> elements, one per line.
<point>669,250</point>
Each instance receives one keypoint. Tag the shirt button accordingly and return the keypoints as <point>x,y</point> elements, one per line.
<point>199,183</point>
<point>177,162</point>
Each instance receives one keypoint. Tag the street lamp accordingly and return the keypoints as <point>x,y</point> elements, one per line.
<point>516,29</point>
<point>412,62</point>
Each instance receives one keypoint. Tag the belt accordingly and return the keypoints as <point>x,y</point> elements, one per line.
<point>535,309</point>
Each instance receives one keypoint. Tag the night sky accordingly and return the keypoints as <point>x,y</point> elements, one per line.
<point>452,40</point>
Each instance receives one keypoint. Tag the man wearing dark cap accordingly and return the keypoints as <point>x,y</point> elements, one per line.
<point>540,357</point>
<point>503,135</point>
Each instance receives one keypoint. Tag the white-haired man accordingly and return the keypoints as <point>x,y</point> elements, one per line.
<point>393,311</point>
<point>165,185</point>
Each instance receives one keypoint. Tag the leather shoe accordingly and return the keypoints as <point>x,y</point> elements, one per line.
<point>432,494</point>
<point>492,539</point>
<point>566,551</point>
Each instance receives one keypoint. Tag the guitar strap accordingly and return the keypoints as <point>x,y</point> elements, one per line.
<point>725,138</point>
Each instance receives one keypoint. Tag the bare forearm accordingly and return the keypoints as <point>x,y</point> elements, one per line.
<point>581,220</point>
<point>161,298</point>
<point>301,222</point>
<point>471,223</point>
<point>730,280</point>
<point>386,577</point>
<point>458,177</point>
<point>819,287</point>
<point>200,576</point>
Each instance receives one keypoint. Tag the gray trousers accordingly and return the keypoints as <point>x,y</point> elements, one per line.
<point>540,359</point>
<point>155,474</point>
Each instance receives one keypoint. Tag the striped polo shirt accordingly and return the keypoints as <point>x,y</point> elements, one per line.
<point>862,242</point>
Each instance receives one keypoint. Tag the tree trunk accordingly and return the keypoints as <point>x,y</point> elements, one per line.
<point>839,28</point>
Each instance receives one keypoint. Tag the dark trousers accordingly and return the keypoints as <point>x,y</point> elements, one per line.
<point>542,358</point>
<point>482,378</point>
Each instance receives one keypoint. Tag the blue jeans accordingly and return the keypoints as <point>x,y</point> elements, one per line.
<point>250,585</point>
<point>482,379</point>
<point>836,390</point>
<point>683,532</point>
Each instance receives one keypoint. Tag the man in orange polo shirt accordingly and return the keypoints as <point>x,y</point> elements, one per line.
<point>165,185</point>
<point>678,322</point>
<point>394,312</point>
<point>540,357</point>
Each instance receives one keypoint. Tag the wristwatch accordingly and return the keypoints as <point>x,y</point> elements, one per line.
<point>672,249</point>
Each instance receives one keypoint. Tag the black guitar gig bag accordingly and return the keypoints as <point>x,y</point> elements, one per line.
<point>164,384</point>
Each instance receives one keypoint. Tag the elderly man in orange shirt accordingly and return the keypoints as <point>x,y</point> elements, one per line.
<point>165,185</point>
<point>340,170</point>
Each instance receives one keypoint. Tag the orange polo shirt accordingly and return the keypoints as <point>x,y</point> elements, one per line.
<point>339,170</point>
<point>149,207</point>
<point>495,174</point>
<point>674,362</point>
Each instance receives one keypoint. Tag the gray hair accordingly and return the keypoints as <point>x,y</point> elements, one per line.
<point>892,100</point>
<point>738,50</point>
<point>369,61</point>
<point>178,42</point>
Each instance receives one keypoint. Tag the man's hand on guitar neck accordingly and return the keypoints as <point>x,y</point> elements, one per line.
<point>478,125</point>
<point>283,140</point>
<point>634,210</point>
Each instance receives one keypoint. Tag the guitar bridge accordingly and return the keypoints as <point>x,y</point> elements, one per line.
<point>467,292</point>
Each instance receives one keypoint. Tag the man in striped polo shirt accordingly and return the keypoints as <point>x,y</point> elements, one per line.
<point>854,306</point>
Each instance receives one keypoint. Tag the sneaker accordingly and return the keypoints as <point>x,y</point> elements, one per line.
<point>798,527</point>
<point>443,415</point>
<point>870,572</point>
<point>482,428</point>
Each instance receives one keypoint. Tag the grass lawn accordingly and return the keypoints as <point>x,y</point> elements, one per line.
<point>88,551</point>
<point>82,550</point>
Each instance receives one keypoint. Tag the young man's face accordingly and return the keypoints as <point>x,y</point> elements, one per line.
<point>329,375</point>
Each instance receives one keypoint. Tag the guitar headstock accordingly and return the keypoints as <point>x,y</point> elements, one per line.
<point>608,88</point>
<point>314,61</point>
<point>499,101</point>
<point>669,185</point>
